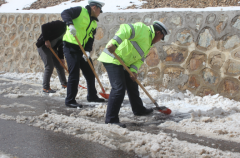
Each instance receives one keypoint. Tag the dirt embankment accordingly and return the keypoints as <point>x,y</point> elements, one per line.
<point>2,2</point>
<point>46,3</point>
<point>150,4</point>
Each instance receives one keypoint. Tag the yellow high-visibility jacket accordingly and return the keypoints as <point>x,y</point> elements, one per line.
<point>84,27</point>
<point>133,43</point>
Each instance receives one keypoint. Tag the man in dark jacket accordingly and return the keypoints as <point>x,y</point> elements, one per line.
<point>51,36</point>
<point>82,23</point>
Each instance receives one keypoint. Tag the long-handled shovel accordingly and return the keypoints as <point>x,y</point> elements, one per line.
<point>161,109</point>
<point>104,95</point>
<point>63,64</point>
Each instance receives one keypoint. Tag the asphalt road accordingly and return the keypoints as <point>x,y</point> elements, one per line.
<point>26,141</point>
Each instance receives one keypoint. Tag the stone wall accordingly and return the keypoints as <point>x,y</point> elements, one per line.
<point>202,53</point>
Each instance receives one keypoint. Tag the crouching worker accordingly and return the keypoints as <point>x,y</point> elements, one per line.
<point>131,43</point>
<point>51,37</point>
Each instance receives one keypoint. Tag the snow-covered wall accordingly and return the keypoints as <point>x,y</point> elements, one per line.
<point>202,53</point>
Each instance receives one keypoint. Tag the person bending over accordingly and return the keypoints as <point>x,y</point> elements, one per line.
<point>131,43</point>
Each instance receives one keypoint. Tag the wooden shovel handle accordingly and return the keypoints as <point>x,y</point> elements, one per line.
<point>58,59</point>
<point>130,72</point>
<point>89,62</point>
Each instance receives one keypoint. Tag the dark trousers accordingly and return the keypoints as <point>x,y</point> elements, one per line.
<point>76,62</point>
<point>120,82</point>
<point>50,61</point>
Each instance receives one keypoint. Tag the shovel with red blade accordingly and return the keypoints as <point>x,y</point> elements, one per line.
<point>161,109</point>
<point>104,95</point>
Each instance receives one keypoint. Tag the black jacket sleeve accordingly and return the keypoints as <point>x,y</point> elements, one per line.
<point>89,44</point>
<point>60,51</point>
<point>69,14</point>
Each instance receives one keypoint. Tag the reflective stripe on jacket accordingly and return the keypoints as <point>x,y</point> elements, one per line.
<point>133,43</point>
<point>84,26</point>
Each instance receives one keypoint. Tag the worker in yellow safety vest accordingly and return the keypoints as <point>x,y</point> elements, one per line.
<point>131,43</point>
<point>82,23</point>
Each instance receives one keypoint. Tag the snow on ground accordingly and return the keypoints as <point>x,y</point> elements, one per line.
<point>210,116</point>
<point>142,143</point>
<point>16,6</point>
<point>3,155</point>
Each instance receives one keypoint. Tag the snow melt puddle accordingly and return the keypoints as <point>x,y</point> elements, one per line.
<point>114,137</point>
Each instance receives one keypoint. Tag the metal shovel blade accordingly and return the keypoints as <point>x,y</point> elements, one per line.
<point>164,109</point>
<point>104,95</point>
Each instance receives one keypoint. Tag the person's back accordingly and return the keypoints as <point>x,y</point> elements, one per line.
<point>133,43</point>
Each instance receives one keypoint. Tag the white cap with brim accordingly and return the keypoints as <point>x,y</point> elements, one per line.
<point>161,27</point>
<point>97,3</point>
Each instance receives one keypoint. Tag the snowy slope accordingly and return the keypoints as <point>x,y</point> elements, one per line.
<point>110,6</point>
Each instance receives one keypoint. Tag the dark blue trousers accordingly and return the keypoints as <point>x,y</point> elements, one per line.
<point>120,81</point>
<point>76,62</point>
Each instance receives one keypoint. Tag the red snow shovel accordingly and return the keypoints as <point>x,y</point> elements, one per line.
<point>63,65</point>
<point>104,95</point>
<point>161,109</point>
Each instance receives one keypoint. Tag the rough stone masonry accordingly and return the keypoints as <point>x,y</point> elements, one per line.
<point>202,53</point>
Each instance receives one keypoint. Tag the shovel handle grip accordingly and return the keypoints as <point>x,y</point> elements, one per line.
<point>58,59</point>
<point>89,62</point>
<point>138,82</point>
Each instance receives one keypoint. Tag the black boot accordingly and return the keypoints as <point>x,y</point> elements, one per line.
<point>144,113</point>
<point>49,90</point>
<point>74,105</point>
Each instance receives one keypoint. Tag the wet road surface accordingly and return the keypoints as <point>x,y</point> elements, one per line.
<point>24,141</point>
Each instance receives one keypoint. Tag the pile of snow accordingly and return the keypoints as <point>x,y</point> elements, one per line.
<point>3,155</point>
<point>25,76</point>
<point>214,123</point>
<point>114,137</point>
<point>36,79</point>
<point>99,111</point>
<point>209,116</point>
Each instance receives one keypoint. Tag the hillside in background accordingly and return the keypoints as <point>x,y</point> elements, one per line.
<point>149,4</point>
<point>47,3</point>
<point>2,2</point>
